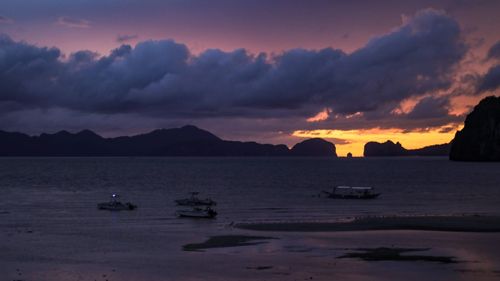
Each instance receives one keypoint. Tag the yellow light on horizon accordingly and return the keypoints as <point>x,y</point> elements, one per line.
<point>356,139</point>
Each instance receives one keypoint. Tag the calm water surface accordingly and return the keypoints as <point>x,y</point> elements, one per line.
<point>247,189</point>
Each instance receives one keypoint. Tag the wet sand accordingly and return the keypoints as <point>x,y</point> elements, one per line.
<point>357,255</point>
<point>225,241</point>
<point>395,254</point>
<point>427,223</point>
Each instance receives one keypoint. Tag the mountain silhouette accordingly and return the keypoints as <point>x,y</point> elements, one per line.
<point>185,141</point>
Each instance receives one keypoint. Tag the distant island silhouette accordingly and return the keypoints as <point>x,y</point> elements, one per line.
<point>479,140</point>
<point>389,148</point>
<point>185,141</point>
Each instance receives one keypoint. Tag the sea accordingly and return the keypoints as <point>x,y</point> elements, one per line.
<point>50,225</point>
<point>246,189</point>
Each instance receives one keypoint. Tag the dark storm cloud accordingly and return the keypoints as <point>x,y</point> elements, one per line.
<point>494,52</point>
<point>411,61</point>
<point>430,107</point>
<point>491,80</point>
<point>163,79</point>
<point>27,72</point>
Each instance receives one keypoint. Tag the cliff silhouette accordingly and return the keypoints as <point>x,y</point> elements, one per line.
<point>479,140</point>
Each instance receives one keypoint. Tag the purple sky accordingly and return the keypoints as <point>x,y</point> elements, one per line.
<point>244,69</point>
<point>259,25</point>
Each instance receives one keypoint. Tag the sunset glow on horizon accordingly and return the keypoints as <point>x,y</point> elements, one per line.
<point>353,141</point>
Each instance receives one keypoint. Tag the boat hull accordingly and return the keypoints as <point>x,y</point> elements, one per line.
<point>189,202</point>
<point>116,206</point>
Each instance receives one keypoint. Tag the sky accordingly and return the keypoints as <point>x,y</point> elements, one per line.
<point>273,71</point>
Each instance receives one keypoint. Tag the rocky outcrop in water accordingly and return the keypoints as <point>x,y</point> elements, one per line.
<point>314,147</point>
<point>479,140</point>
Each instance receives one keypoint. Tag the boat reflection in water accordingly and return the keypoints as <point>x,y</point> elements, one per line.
<point>206,213</point>
<point>352,192</point>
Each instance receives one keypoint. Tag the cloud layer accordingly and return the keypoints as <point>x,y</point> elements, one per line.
<point>163,79</point>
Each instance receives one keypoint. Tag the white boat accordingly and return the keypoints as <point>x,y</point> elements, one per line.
<point>115,205</point>
<point>352,192</point>
<point>195,201</point>
<point>206,213</point>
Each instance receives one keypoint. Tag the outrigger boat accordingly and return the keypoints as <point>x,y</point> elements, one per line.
<point>115,205</point>
<point>195,201</point>
<point>352,192</point>
<point>199,213</point>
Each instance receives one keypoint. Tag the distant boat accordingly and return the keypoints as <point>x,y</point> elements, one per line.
<point>195,201</point>
<point>207,213</point>
<point>352,192</point>
<point>115,205</point>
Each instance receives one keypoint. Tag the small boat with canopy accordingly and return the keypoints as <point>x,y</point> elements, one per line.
<point>115,205</point>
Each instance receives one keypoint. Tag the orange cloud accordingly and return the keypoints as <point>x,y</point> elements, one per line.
<point>321,116</point>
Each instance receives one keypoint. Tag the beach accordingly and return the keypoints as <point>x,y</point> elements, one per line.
<point>227,253</point>
<point>270,227</point>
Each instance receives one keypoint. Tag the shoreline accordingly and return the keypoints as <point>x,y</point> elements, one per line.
<point>424,223</point>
